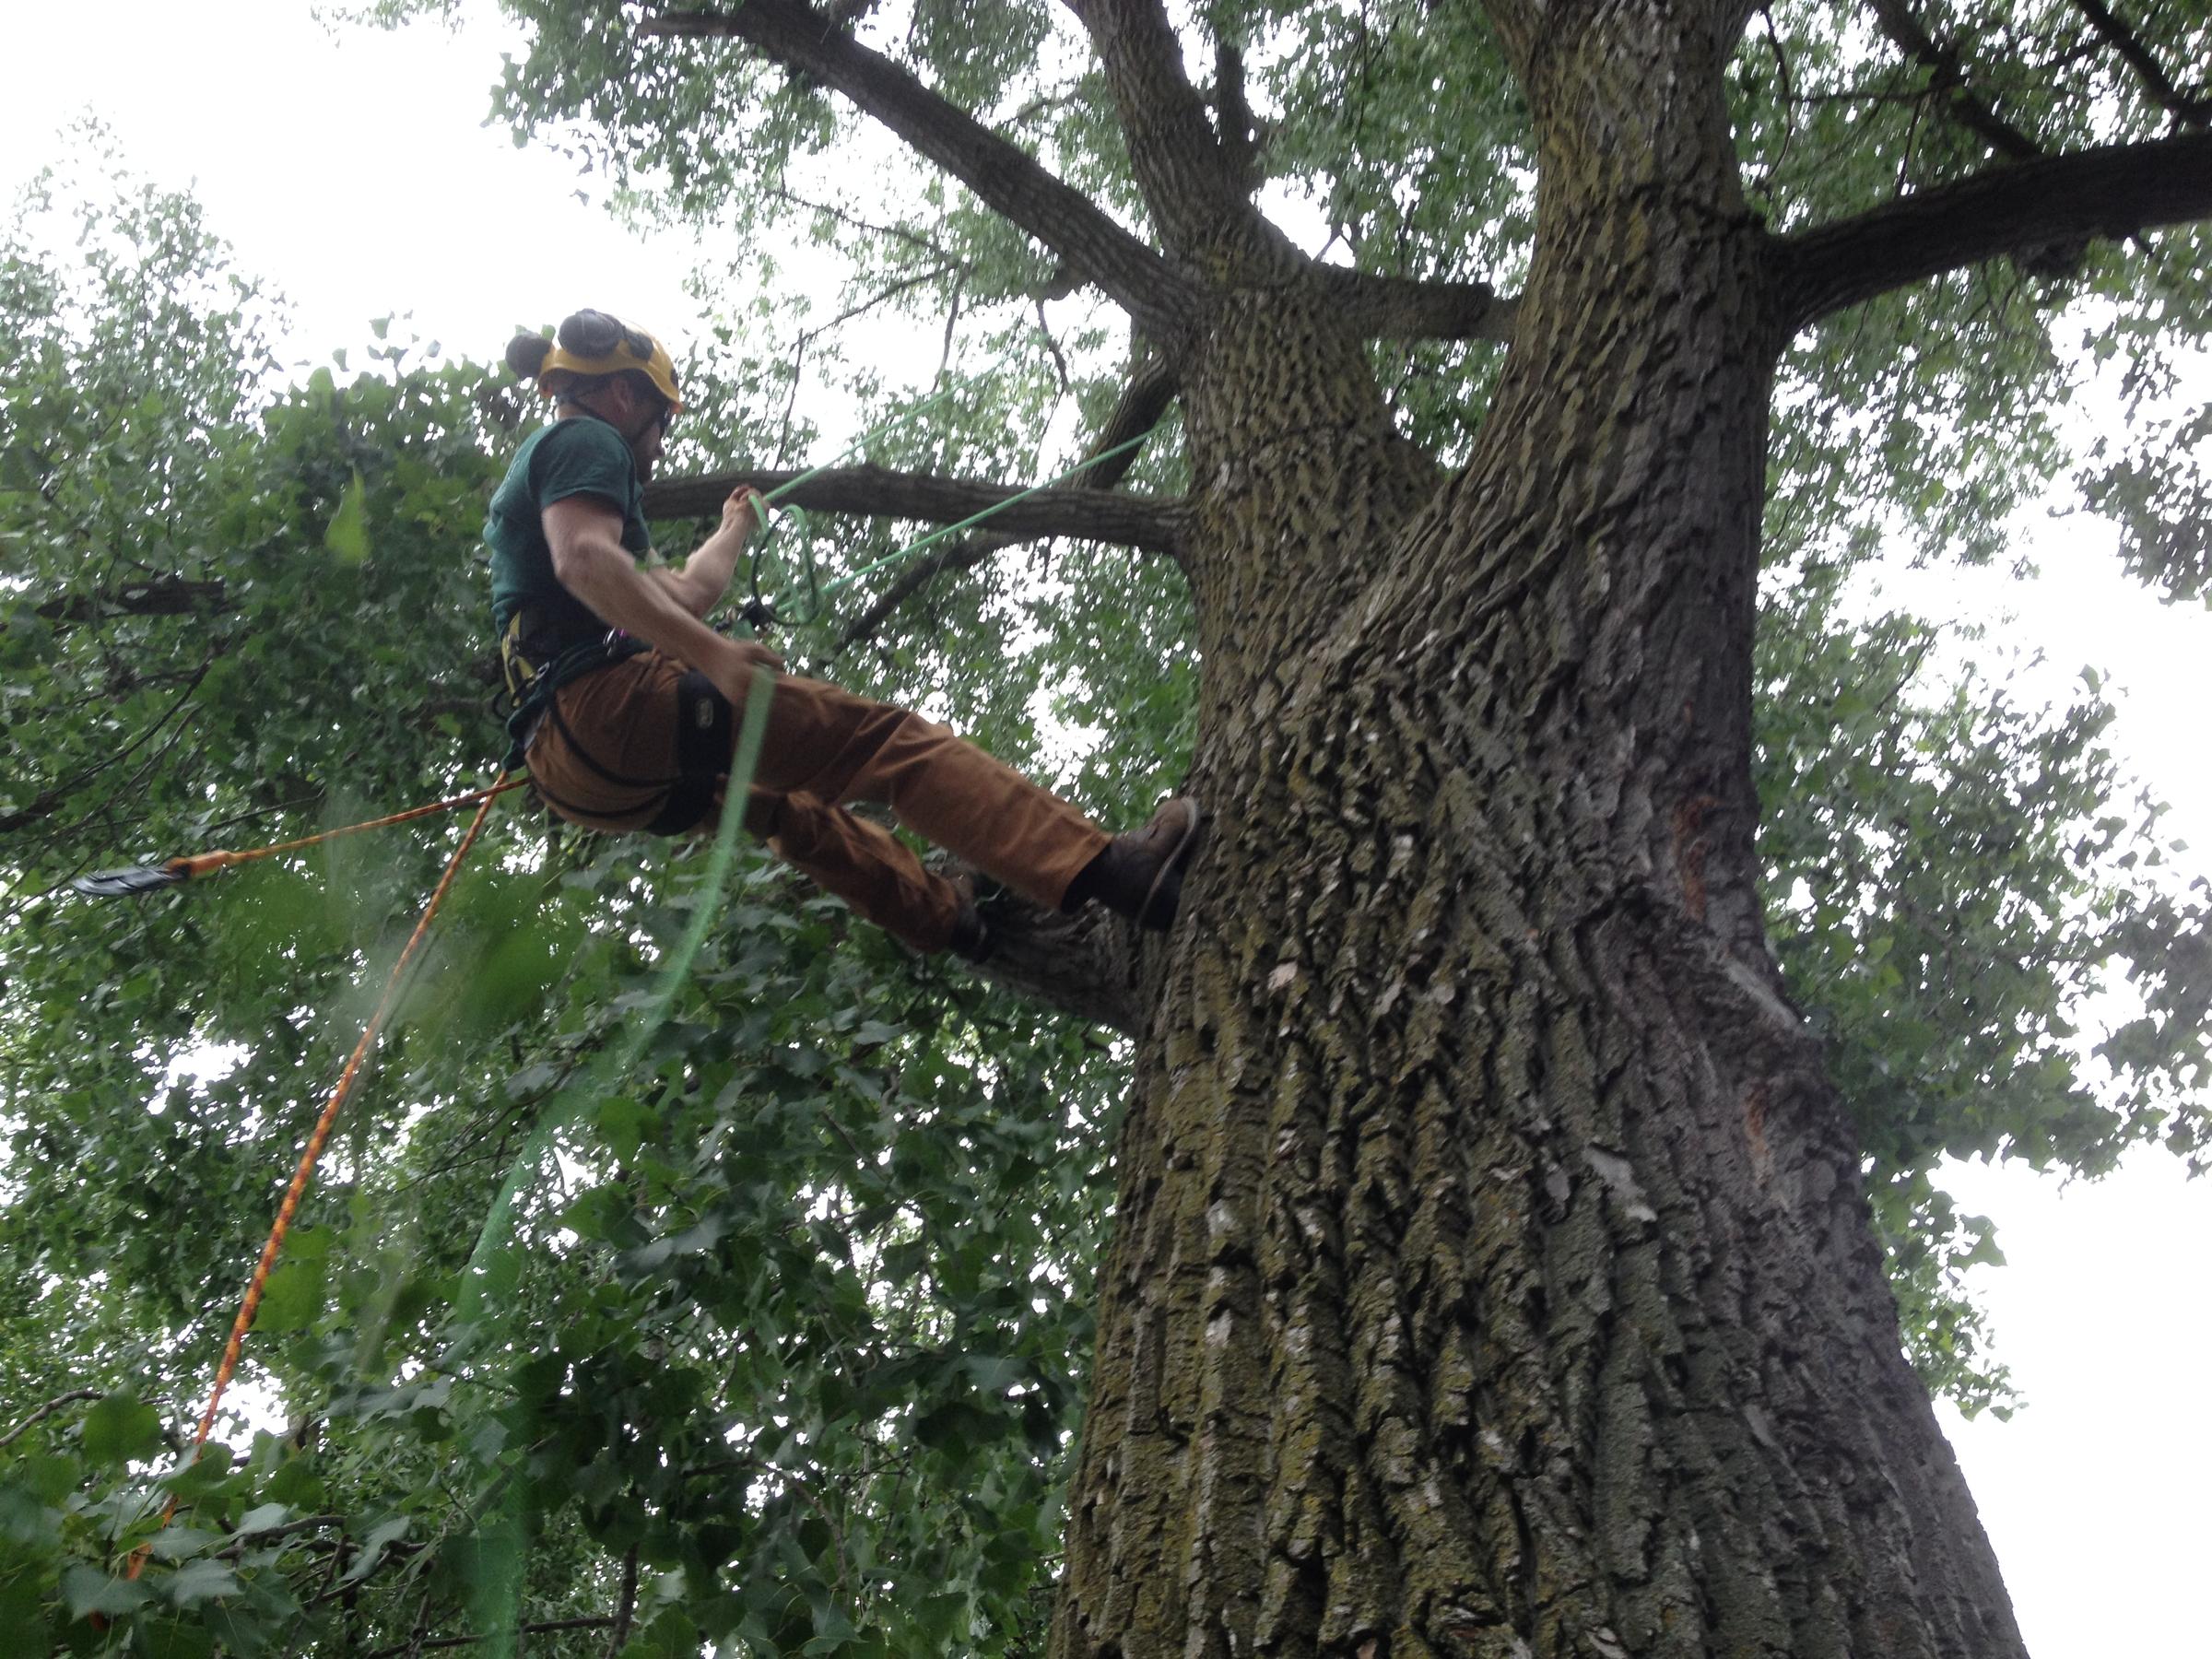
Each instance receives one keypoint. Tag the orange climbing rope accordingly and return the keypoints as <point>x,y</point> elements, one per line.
<point>315,1141</point>
<point>147,878</point>
<point>369,1032</point>
<point>205,864</point>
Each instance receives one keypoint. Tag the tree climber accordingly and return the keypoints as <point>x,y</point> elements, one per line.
<point>628,704</point>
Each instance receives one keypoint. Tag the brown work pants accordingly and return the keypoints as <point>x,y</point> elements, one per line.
<point>823,747</point>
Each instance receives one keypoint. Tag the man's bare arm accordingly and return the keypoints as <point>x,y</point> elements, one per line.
<point>705,577</point>
<point>589,559</point>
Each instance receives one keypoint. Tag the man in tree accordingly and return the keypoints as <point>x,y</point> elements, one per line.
<point>631,703</point>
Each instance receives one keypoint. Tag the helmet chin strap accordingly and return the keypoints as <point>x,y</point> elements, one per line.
<point>630,437</point>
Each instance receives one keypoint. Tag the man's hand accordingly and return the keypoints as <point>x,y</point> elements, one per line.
<point>733,666</point>
<point>752,650</point>
<point>745,512</point>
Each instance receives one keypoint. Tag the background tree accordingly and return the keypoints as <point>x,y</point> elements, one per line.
<point>1490,1262</point>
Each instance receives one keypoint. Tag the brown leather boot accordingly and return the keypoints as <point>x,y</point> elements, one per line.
<point>1140,872</point>
<point>971,935</point>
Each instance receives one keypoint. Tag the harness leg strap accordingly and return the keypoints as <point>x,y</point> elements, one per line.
<point>705,728</point>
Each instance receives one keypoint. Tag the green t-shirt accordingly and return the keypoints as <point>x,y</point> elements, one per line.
<point>580,455</point>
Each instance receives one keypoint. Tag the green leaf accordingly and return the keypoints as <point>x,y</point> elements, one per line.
<point>198,1581</point>
<point>309,1244</point>
<point>209,1469</point>
<point>118,1428</point>
<point>292,1298</point>
<point>90,1590</point>
<point>623,1123</point>
<point>347,535</point>
<point>23,1616</point>
<point>261,1518</point>
<point>48,1479</point>
<point>179,1541</point>
<point>296,1483</point>
<point>380,1538</point>
<point>993,1374</point>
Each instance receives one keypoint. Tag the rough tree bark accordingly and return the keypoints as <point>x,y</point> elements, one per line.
<point>1491,1271</point>
<point>1491,1275</point>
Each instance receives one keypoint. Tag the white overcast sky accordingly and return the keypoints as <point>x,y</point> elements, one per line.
<point>356,175</point>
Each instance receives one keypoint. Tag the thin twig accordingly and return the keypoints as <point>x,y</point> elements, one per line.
<point>50,800</point>
<point>305,1523</point>
<point>597,1622</point>
<point>1138,410</point>
<point>422,1625</point>
<point>1945,65</point>
<point>1786,89</point>
<point>914,238</point>
<point>892,292</point>
<point>791,403</point>
<point>952,320</point>
<point>1059,361</point>
<point>51,1406</point>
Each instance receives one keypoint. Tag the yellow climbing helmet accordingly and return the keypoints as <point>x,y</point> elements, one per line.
<point>594,341</point>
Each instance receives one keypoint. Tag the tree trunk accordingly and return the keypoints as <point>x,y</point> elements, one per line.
<point>1491,1274</point>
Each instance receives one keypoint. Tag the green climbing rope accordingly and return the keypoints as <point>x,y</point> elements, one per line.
<point>494,1266</point>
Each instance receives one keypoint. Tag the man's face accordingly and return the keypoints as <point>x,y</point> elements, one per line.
<point>645,416</point>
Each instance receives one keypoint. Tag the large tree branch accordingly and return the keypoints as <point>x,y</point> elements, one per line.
<point>1947,72</point>
<point>1405,307</point>
<point>2182,106</point>
<point>2118,190</point>
<point>875,492</point>
<point>1233,118</point>
<point>162,596</point>
<point>1007,178</point>
<point>1193,189</point>
<point>1137,412</point>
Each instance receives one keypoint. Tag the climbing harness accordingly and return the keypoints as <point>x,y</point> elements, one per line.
<point>534,678</point>
<point>703,720</point>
